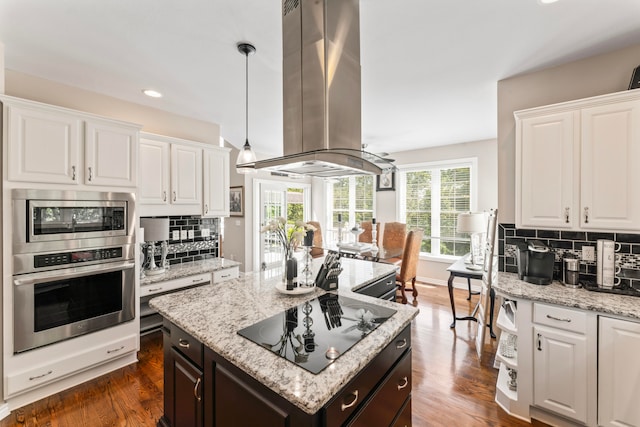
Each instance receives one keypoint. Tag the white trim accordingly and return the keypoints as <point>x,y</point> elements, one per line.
<point>4,411</point>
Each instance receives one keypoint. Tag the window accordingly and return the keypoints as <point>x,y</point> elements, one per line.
<point>352,197</point>
<point>431,197</point>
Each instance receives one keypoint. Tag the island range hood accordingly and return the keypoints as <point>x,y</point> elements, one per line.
<point>321,92</point>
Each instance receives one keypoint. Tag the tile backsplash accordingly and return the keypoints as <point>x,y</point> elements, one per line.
<point>571,243</point>
<point>198,247</point>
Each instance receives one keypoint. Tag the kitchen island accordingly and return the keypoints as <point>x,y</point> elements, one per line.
<point>215,376</point>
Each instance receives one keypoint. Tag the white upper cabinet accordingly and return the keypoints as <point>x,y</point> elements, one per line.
<point>179,177</point>
<point>575,164</point>
<point>48,144</point>
<point>216,182</point>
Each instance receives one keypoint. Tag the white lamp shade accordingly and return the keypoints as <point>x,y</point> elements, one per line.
<point>471,222</point>
<point>246,156</point>
<point>155,229</point>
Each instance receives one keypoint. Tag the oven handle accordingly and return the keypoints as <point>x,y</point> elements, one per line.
<point>70,273</point>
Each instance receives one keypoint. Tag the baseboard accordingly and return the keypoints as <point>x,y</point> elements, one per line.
<point>438,282</point>
<point>4,411</point>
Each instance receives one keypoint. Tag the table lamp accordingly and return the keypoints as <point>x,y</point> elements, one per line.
<point>473,223</point>
<point>155,230</point>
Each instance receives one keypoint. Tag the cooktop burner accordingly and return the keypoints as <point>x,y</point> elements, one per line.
<point>314,334</point>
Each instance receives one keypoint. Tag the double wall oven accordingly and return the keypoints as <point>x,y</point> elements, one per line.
<point>73,264</point>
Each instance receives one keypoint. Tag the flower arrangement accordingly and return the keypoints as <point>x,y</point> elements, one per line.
<point>290,236</point>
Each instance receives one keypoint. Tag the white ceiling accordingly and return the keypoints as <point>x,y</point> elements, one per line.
<point>429,68</point>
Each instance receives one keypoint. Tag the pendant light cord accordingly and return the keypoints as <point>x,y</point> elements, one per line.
<point>246,93</point>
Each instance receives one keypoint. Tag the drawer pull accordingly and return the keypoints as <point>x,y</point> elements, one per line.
<point>558,318</point>
<point>539,342</point>
<point>206,209</point>
<point>196,390</point>
<point>175,197</point>
<point>73,173</point>
<point>197,281</point>
<point>90,174</point>
<point>353,402</point>
<point>164,196</point>
<point>155,289</point>
<point>40,376</point>
<point>183,343</point>
<point>401,343</point>
<point>115,350</point>
<point>224,276</point>
<point>405,382</point>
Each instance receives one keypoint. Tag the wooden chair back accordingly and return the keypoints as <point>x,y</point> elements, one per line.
<point>366,235</point>
<point>409,265</point>
<point>394,236</point>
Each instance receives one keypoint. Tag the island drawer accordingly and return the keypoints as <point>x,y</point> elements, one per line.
<point>380,287</point>
<point>384,405</point>
<point>352,396</point>
<point>559,317</point>
<point>190,347</point>
<point>172,285</point>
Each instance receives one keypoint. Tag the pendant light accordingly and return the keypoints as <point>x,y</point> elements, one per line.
<point>246,155</point>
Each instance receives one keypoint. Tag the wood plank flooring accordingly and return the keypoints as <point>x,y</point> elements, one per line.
<point>450,386</point>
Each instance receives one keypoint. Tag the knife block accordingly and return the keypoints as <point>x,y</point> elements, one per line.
<point>323,282</point>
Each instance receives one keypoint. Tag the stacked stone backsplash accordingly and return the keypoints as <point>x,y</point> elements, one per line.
<point>191,249</point>
<point>570,243</point>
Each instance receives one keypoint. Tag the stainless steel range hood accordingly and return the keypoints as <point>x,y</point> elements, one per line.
<point>321,92</point>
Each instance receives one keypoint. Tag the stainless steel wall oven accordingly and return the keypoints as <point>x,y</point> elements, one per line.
<point>73,264</point>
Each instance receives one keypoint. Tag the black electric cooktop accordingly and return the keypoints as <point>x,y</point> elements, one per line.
<point>314,334</point>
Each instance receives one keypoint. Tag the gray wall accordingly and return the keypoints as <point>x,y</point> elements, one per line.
<point>593,76</point>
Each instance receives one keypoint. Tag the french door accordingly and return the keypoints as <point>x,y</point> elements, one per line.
<point>278,199</point>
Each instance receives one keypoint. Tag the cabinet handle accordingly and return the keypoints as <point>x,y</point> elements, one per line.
<point>90,174</point>
<point>40,376</point>
<point>539,342</point>
<point>224,276</point>
<point>353,402</point>
<point>174,196</point>
<point>404,384</point>
<point>197,281</point>
<point>566,215</point>
<point>401,344</point>
<point>558,318</point>
<point>115,350</point>
<point>164,196</point>
<point>206,209</point>
<point>73,173</point>
<point>586,215</point>
<point>196,391</point>
<point>183,343</point>
<point>155,289</point>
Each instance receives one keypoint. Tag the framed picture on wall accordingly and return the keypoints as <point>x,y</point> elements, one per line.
<point>386,181</point>
<point>236,201</point>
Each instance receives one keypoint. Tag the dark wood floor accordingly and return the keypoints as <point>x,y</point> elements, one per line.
<point>450,386</point>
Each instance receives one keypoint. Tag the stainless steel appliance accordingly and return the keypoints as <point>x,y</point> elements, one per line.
<point>535,262</point>
<point>73,264</point>
<point>571,272</point>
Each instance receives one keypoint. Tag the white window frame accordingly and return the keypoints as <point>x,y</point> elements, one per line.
<point>471,162</point>
<point>352,203</point>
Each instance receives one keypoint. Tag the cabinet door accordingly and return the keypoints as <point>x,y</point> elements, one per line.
<point>216,183</point>
<point>154,172</point>
<point>546,163</point>
<point>43,145</point>
<point>110,154</point>
<point>186,381</point>
<point>618,373</point>
<point>560,372</point>
<point>186,176</point>
<point>610,191</point>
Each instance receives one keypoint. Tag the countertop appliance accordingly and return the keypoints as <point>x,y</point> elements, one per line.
<point>535,261</point>
<point>315,333</point>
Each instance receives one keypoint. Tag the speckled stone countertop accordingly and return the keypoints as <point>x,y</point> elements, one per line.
<point>214,313</point>
<point>509,285</point>
<point>177,271</point>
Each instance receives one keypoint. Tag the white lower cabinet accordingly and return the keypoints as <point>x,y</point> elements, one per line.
<point>618,373</point>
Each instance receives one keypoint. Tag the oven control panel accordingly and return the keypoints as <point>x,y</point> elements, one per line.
<point>76,257</point>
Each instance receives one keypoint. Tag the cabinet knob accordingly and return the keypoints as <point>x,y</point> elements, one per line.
<point>353,402</point>
<point>183,343</point>
<point>405,382</point>
<point>559,319</point>
<point>539,342</point>
<point>401,343</point>
<point>115,350</point>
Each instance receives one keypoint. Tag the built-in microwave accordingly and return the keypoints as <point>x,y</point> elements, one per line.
<point>47,221</point>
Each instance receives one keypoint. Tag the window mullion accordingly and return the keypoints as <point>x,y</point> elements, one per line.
<point>435,211</point>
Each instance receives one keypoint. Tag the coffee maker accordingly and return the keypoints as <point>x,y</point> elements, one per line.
<point>535,261</point>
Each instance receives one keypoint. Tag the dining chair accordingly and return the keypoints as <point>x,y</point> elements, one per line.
<point>409,265</point>
<point>393,240</point>
<point>317,250</point>
<point>487,294</point>
<point>366,236</point>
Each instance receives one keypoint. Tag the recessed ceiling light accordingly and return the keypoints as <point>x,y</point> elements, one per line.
<point>152,93</point>
<point>547,1</point>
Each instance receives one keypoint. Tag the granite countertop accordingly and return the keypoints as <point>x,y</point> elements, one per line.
<point>214,313</point>
<point>509,285</point>
<point>177,271</point>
